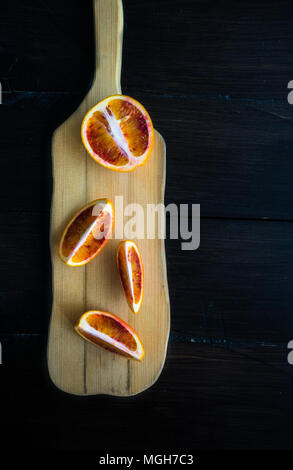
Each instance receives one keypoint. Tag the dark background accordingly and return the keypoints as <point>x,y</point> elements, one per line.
<point>213,75</point>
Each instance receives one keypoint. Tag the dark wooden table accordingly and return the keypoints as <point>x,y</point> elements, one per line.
<point>214,76</point>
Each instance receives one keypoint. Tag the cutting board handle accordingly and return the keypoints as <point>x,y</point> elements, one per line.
<point>108,20</point>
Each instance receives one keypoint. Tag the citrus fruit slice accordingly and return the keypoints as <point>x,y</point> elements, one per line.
<point>87,233</point>
<point>110,332</point>
<point>118,133</point>
<point>130,269</point>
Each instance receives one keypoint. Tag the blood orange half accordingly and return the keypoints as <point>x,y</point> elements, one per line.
<point>87,233</point>
<point>111,333</point>
<point>118,133</point>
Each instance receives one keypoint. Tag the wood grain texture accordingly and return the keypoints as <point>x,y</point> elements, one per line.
<point>74,365</point>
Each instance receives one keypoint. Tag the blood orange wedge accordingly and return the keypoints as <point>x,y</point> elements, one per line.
<point>118,133</point>
<point>130,269</point>
<point>87,233</point>
<point>110,332</point>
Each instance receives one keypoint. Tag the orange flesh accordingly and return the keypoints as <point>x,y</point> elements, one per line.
<point>112,334</point>
<point>101,141</point>
<point>103,344</point>
<point>133,126</point>
<point>136,273</point>
<point>112,328</point>
<point>131,274</point>
<point>96,238</point>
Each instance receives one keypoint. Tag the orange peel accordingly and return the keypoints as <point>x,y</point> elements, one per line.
<point>131,273</point>
<point>87,233</point>
<point>111,333</point>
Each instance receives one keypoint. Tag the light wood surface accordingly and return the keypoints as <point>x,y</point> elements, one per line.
<point>76,366</point>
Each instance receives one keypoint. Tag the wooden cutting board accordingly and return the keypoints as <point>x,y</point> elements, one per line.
<point>76,366</point>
